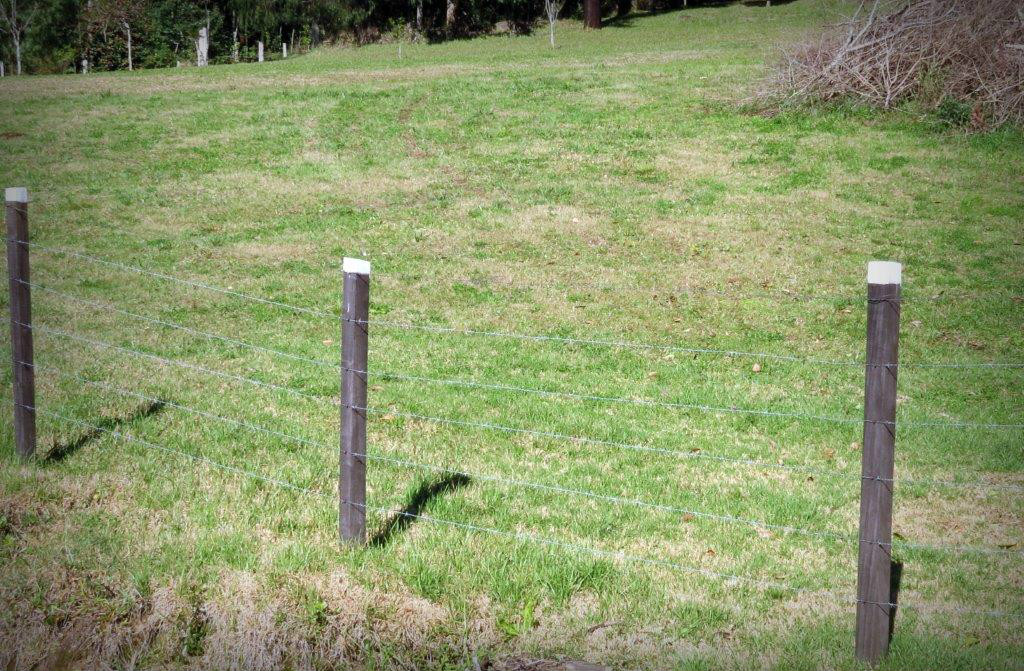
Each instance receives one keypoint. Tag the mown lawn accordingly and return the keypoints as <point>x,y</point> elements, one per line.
<point>610,189</point>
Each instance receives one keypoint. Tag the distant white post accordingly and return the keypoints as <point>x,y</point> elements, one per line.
<point>203,47</point>
<point>259,51</point>
<point>85,66</point>
<point>284,50</point>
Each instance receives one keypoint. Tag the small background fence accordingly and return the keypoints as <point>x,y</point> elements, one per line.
<point>120,364</point>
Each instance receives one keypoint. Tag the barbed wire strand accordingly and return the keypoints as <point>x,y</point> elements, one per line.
<point>170,278</point>
<point>181,327</point>
<point>443,469</point>
<point>757,524</point>
<point>672,404</point>
<point>163,448</point>
<point>714,409</point>
<point>611,399</point>
<point>519,536</point>
<point>539,539</point>
<point>467,383</point>
<point>809,470</point>
<point>783,294</point>
<point>632,344</point>
<point>174,362</point>
<point>824,472</point>
<point>445,329</point>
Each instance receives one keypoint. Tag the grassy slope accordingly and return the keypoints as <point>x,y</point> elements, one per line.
<point>498,184</point>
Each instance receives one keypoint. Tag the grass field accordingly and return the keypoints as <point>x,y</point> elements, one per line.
<point>611,188</point>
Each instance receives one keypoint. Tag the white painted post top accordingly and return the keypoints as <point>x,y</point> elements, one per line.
<point>357,266</point>
<point>885,272</point>
<point>16,194</point>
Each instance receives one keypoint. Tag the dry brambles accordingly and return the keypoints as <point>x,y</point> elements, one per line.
<point>966,56</point>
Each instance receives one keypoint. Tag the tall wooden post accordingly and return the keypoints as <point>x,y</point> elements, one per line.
<point>16,216</point>
<point>874,565</point>
<point>354,346</point>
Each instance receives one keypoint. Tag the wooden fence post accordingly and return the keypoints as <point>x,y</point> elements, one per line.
<point>16,216</point>
<point>874,566</point>
<point>354,346</point>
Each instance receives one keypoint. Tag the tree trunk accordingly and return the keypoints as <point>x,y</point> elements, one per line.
<point>419,16</point>
<point>551,27</point>
<point>592,13</point>
<point>128,34</point>
<point>17,56</point>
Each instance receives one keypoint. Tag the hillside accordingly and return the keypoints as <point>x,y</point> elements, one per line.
<point>610,190</point>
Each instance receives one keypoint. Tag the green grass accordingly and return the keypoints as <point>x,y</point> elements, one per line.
<point>611,188</point>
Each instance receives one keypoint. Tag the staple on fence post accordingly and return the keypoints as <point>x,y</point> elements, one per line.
<point>875,602</point>
<point>354,345</point>
<point>16,216</point>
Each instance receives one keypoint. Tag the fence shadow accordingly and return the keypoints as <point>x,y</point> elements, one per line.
<point>427,492</point>
<point>895,578</point>
<point>62,451</point>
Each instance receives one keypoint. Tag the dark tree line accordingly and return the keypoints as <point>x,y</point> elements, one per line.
<point>75,35</point>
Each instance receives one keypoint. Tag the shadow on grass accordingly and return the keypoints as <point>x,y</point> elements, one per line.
<point>62,451</point>
<point>427,492</point>
<point>895,578</point>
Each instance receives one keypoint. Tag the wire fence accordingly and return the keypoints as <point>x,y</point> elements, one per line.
<point>508,392</point>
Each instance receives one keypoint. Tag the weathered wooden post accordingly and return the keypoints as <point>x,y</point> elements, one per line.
<point>284,50</point>
<point>354,346</point>
<point>259,51</point>
<point>22,358</point>
<point>874,566</point>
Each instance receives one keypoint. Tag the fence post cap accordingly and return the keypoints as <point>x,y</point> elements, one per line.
<point>885,272</point>
<point>357,266</point>
<point>16,194</point>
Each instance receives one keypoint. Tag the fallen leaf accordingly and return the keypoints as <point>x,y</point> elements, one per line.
<point>764,533</point>
<point>710,552</point>
<point>854,445</point>
<point>687,517</point>
<point>328,342</point>
<point>756,368</point>
<point>829,454</point>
